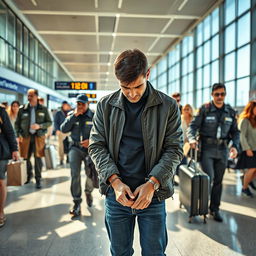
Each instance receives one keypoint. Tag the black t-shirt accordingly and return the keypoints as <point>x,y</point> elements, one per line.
<point>131,158</point>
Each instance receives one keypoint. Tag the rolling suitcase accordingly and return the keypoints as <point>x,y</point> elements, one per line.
<point>194,189</point>
<point>50,157</point>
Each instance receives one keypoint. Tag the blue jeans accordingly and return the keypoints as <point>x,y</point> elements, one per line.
<point>120,222</point>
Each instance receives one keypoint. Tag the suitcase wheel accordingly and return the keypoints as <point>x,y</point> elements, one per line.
<point>190,220</point>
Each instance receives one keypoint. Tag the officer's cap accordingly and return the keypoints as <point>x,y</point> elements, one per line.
<point>82,98</point>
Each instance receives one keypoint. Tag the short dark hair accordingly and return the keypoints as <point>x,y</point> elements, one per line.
<point>176,94</point>
<point>34,90</point>
<point>217,86</point>
<point>129,65</point>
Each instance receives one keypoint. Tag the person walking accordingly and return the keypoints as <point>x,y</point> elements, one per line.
<point>136,145</point>
<point>217,125</point>
<point>79,123</point>
<point>8,150</point>
<point>59,118</point>
<point>31,127</point>
<point>247,159</point>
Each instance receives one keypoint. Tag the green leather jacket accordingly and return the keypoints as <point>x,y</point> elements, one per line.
<point>162,136</point>
<point>22,123</point>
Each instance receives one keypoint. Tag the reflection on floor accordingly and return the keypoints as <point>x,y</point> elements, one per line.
<point>38,223</point>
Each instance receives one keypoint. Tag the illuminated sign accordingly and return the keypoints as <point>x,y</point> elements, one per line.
<point>63,85</point>
<point>89,95</point>
<point>93,101</point>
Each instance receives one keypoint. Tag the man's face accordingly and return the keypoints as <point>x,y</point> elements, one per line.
<point>219,96</point>
<point>178,99</point>
<point>32,97</point>
<point>135,90</point>
<point>82,107</point>
<point>66,107</point>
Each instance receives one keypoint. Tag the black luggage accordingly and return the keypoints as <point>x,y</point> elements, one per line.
<point>194,189</point>
<point>50,157</point>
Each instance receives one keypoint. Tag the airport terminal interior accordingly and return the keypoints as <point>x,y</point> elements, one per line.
<point>67,48</point>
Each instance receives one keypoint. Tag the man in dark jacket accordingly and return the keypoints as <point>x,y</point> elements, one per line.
<point>31,126</point>
<point>136,144</point>
<point>216,124</point>
<point>8,150</point>
<point>59,118</point>
<point>79,123</point>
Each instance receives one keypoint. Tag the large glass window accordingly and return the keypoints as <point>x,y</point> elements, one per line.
<point>230,11</point>
<point>3,14</point>
<point>244,29</point>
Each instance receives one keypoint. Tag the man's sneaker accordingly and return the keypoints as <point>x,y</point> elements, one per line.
<point>89,199</point>
<point>251,184</point>
<point>247,192</point>
<point>76,211</point>
<point>216,216</point>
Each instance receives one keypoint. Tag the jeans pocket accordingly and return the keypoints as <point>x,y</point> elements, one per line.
<point>110,192</point>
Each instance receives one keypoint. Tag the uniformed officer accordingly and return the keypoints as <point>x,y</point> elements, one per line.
<point>217,125</point>
<point>79,123</point>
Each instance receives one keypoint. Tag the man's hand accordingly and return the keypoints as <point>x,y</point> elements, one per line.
<point>77,112</point>
<point>249,153</point>
<point>193,145</point>
<point>35,126</point>
<point>121,192</point>
<point>15,155</point>
<point>58,132</point>
<point>85,143</point>
<point>232,152</point>
<point>145,194</point>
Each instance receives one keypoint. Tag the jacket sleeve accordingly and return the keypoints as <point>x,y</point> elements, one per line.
<point>195,126</point>
<point>98,149</point>
<point>8,131</point>
<point>172,151</point>
<point>67,125</point>
<point>243,135</point>
<point>57,121</point>
<point>18,123</point>
<point>48,120</point>
<point>235,134</point>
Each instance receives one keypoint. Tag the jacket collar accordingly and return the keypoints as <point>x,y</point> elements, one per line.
<point>27,106</point>
<point>153,98</point>
<point>214,108</point>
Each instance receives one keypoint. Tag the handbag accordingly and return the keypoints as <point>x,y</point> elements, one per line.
<point>16,173</point>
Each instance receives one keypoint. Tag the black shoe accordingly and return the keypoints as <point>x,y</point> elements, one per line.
<point>251,184</point>
<point>38,184</point>
<point>247,192</point>
<point>28,180</point>
<point>89,199</point>
<point>216,216</point>
<point>76,211</point>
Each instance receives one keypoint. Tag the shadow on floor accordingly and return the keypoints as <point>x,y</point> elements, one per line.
<point>50,231</point>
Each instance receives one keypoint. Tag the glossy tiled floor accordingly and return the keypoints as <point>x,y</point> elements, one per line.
<point>39,224</point>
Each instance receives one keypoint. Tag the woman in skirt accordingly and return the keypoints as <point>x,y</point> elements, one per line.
<point>247,159</point>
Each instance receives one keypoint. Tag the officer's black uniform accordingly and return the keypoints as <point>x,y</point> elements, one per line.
<point>80,127</point>
<point>214,154</point>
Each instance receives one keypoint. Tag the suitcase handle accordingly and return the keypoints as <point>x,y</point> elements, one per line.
<point>193,160</point>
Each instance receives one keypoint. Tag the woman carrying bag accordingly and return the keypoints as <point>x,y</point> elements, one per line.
<point>8,150</point>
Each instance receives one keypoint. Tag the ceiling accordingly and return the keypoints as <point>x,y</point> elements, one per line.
<point>87,35</point>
